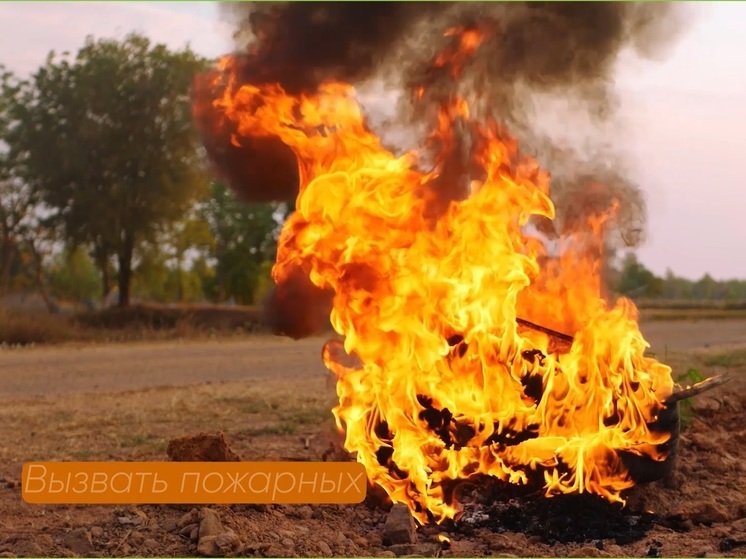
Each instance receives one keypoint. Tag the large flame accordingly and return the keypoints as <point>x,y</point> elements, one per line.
<point>452,383</point>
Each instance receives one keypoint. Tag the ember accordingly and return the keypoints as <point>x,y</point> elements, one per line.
<point>454,317</point>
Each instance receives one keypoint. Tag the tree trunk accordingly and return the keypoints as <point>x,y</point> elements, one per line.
<point>105,282</point>
<point>101,257</point>
<point>125,269</point>
<point>7,254</point>
<point>39,277</point>
<point>179,278</point>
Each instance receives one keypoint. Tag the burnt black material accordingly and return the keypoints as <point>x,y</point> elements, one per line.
<point>563,519</point>
<point>643,469</point>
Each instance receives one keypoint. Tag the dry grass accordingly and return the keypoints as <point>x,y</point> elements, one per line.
<point>38,328</point>
<point>138,425</point>
<point>664,314</point>
<point>136,323</point>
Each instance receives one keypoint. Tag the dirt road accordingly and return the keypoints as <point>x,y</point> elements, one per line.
<point>54,371</point>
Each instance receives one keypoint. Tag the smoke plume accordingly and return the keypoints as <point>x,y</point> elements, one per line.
<point>535,54</point>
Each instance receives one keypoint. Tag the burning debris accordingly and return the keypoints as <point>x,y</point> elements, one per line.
<point>473,346</point>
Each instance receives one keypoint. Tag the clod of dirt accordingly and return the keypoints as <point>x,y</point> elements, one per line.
<point>324,549</point>
<point>191,517</point>
<point>213,540</point>
<point>588,551</point>
<point>414,550</point>
<point>203,447</point>
<point>78,541</point>
<point>399,527</point>
<point>707,513</point>
<point>222,545</point>
<point>209,524</point>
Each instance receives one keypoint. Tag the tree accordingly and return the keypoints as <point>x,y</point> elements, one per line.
<point>72,275</point>
<point>245,238</point>
<point>635,280</point>
<point>17,199</point>
<point>190,233</point>
<point>109,144</point>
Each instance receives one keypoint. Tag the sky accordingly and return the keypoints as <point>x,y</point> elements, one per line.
<point>684,117</point>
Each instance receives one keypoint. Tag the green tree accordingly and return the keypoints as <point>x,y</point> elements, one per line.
<point>151,274</point>
<point>188,234</point>
<point>72,275</point>
<point>637,281</point>
<point>17,199</point>
<point>245,237</point>
<point>110,145</point>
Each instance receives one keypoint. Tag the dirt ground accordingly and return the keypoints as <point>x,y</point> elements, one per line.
<point>272,399</point>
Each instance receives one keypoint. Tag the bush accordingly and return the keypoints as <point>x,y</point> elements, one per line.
<point>36,328</point>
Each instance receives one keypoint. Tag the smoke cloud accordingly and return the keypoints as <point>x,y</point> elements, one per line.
<point>535,54</point>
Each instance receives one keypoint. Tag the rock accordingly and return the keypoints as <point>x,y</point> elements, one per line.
<point>209,524</point>
<point>399,527</point>
<point>192,517</point>
<point>6,554</point>
<point>203,447</point>
<point>274,551</point>
<point>224,544</point>
<point>739,525</point>
<point>386,553</point>
<point>413,550</point>
<point>287,542</point>
<point>29,548</point>
<point>255,547</point>
<point>78,541</point>
<point>97,531</point>
<point>130,520</point>
<point>188,529</point>
<point>708,513</point>
<point>150,543</point>
<point>212,539</point>
<point>305,512</point>
<point>137,538</point>
<point>194,534</point>
<point>324,549</point>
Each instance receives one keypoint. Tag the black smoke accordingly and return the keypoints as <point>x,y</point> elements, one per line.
<point>534,53</point>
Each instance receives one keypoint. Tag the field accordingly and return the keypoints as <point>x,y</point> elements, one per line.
<point>271,397</point>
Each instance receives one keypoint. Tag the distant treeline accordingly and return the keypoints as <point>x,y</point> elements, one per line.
<point>632,279</point>
<point>105,195</point>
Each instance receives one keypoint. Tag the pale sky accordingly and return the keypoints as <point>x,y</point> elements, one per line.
<point>684,117</point>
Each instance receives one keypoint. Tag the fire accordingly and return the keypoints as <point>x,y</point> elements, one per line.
<point>453,382</point>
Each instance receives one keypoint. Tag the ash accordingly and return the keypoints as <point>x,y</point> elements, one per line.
<point>562,519</point>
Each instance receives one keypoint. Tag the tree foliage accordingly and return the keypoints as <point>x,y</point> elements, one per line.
<point>245,237</point>
<point>107,141</point>
<point>72,275</point>
<point>17,200</point>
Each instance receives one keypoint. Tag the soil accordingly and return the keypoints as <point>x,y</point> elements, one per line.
<point>270,400</point>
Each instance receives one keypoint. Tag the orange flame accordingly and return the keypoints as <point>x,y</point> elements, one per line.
<point>449,385</point>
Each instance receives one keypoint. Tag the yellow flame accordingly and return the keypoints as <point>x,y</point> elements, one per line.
<point>405,285</point>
